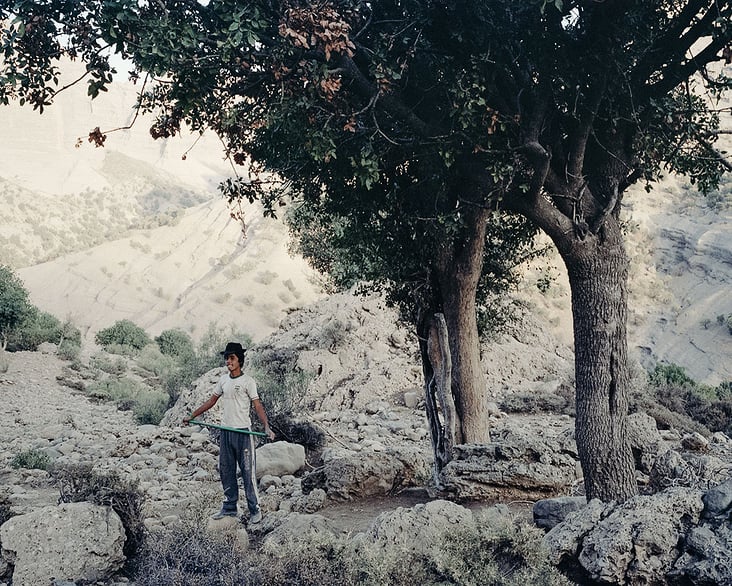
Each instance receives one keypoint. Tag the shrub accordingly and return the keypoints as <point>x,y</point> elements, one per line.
<point>31,460</point>
<point>189,554</point>
<point>304,433</point>
<point>123,333</point>
<point>80,482</point>
<point>282,386</point>
<point>14,304</point>
<point>149,407</point>
<point>670,375</point>
<point>39,327</point>
<point>36,328</point>
<point>498,551</point>
<point>69,350</point>
<point>151,361</point>
<point>147,404</point>
<point>175,343</point>
<point>113,365</point>
<point>708,407</point>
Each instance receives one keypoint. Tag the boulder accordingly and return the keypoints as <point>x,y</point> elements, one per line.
<point>636,542</point>
<point>645,440</point>
<point>357,475</point>
<point>717,500</point>
<point>534,467</point>
<point>419,528</point>
<point>707,558</point>
<point>74,541</point>
<point>280,458</point>
<point>550,512</point>
<point>281,529</point>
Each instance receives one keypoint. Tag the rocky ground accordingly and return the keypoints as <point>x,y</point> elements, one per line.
<point>367,375</point>
<point>364,395</point>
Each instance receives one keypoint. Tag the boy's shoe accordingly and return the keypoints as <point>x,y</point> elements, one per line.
<point>255,518</point>
<point>221,514</point>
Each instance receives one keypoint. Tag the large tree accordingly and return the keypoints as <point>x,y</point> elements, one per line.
<point>395,120</point>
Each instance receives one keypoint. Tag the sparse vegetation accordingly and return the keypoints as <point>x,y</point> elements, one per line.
<point>676,400</point>
<point>31,459</point>
<point>495,551</point>
<point>80,482</point>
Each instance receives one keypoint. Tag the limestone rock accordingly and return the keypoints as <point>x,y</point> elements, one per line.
<point>550,512</point>
<point>636,542</point>
<point>419,528</point>
<point>280,458</point>
<point>522,464</point>
<point>281,528</point>
<point>645,440</point>
<point>74,541</point>
<point>363,474</point>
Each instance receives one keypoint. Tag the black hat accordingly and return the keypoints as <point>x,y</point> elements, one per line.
<point>234,348</point>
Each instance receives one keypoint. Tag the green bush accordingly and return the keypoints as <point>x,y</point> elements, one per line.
<point>175,343</point>
<point>153,363</point>
<point>499,550</point>
<point>15,306</point>
<point>282,385</point>
<point>708,407</point>
<point>36,328</point>
<point>147,404</point>
<point>149,408</point>
<point>80,482</point>
<point>123,333</point>
<point>31,460</point>
<point>114,365</point>
<point>670,375</point>
<point>69,350</point>
<point>39,327</point>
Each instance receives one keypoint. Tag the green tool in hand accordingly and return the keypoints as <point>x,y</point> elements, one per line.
<point>227,428</point>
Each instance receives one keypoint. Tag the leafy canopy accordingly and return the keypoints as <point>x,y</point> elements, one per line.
<point>386,125</point>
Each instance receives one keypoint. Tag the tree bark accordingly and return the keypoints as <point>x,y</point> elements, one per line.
<point>598,275</point>
<point>458,272</point>
<point>442,416</point>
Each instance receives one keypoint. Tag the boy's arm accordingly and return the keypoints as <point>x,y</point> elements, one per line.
<point>202,409</point>
<point>262,414</point>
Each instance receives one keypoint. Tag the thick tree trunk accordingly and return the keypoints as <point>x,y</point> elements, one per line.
<point>458,272</point>
<point>598,275</point>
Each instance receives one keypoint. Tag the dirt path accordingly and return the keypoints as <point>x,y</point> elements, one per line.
<point>357,516</point>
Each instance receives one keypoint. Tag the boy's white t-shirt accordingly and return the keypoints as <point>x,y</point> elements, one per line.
<point>236,395</point>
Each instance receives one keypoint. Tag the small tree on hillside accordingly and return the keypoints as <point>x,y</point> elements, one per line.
<point>15,307</point>
<point>123,333</point>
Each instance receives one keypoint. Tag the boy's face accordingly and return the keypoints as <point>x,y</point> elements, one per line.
<point>232,363</point>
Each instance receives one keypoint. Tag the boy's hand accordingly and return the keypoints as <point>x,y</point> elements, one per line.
<point>269,432</point>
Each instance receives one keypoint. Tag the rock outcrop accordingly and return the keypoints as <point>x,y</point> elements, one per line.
<point>74,541</point>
